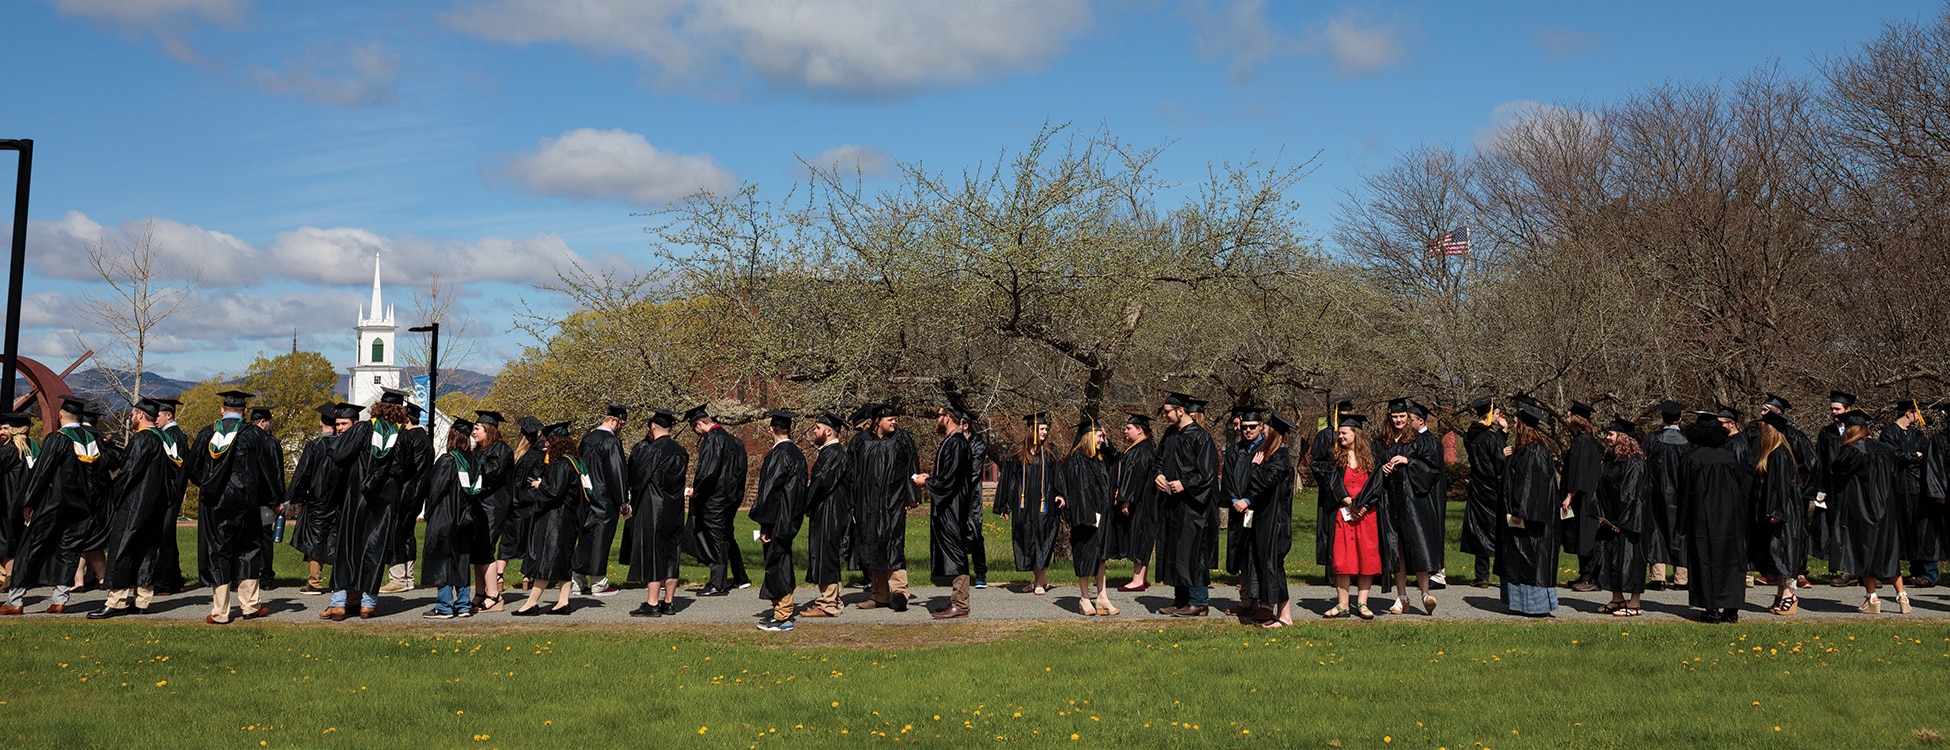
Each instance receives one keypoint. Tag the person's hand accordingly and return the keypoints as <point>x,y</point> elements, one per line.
<point>280,509</point>
<point>1507,451</point>
<point>1347,501</point>
<point>1240,505</point>
<point>1177,486</point>
<point>764,538</point>
<point>912,505</point>
<point>1774,520</point>
<point>625,511</point>
<point>1059,501</point>
<point>1125,508</point>
<point>687,492</point>
<point>1163,484</point>
<point>1566,504</point>
<point>920,479</point>
<point>1259,458</point>
<point>534,484</point>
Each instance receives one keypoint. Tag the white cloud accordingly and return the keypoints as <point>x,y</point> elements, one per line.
<point>356,75</point>
<point>848,160</point>
<point>59,248</point>
<point>587,163</point>
<point>1358,46</point>
<point>1239,34</point>
<point>847,47</point>
<point>1521,122</point>
<point>344,256</point>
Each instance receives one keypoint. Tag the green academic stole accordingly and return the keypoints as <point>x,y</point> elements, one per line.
<point>581,471</point>
<point>384,435</point>
<point>468,483</point>
<point>86,450</point>
<point>169,445</point>
<point>221,433</point>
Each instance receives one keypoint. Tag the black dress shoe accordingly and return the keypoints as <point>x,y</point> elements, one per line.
<point>1655,585</point>
<point>107,612</point>
<point>559,610</point>
<point>138,610</point>
<point>1678,586</point>
<point>529,612</point>
<point>898,604</point>
<point>1729,616</point>
<point>1711,616</point>
<point>1481,583</point>
<point>714,591</point>
<point>645,610</point>
<point>666,609</point>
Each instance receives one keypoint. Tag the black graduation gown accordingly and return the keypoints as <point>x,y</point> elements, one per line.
<point>170,560</point>
<point>1713,512</point>
<point>1027,493</point>
<point>1622,495</point>
<point>556,521</point>
<point>1483,519</point>
<point>141,496</point>
<point>829,510</point>
<point>101,494</point>
<point>1327,502</point>
<point>1825,524</point>
<point>57,496</point>
<point>602,456</point>
<point>456,522</point>
<point>1911,448</point>
<point>1186,455</point>
<point>414,467</point>
<point>310,489</point>
<point>716,493</point>
<point>1134,527</point>
<point>978,452</point>
<point>1528,555</point>
<point>369,483</point>
<point>1086,508</point>
<point>883,483</point>
<point>495,467</point>
<point>1269,492</point>
<point>953,486</point>
<point>1780,540</point>
<point>1928,534</point>
<point>1664,449</point>
<point>521,506</point>
<point>1415,499</point>
<point>10,494</point>
<point>235,485</point>
<point>780,504</point>
<point>1238,461</point>
<point>656,520</point>
<point>1870,528</point>
<point>1583,468</point>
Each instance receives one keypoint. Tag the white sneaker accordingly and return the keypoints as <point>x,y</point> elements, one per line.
<point>603,588</point>
<point>1401,606</point>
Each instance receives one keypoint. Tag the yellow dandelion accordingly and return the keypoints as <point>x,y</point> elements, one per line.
<point>700,730</point>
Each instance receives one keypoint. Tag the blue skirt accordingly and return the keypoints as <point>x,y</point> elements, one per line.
<point>1530,600</point>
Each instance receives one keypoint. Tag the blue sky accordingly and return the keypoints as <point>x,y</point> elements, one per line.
<point>277,144</point>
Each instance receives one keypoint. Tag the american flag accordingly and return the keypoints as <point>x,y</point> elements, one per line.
<point>1453,244</point>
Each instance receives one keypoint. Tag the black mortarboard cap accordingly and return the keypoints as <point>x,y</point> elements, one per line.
<point>16,419</point>
<point>618,411</point>
<point>1844,398</point>
<point>1140,420</point>
<point>1728,412</point>
<point>1085,424</point>
<point>1416,408</point>
<point>260,412</point>
<point>1356,421</point>
<point>1907,404</point>
<point>1777,402</point>
<point>695,413</point>
<point>1581,409</point>
<point>348,411</point>
<point>1619,424</point>
<point>1855,418</point>
<point>392,396</point>
<point>1279,423</point>
<point>956,412</point>
<point>488,417</point>
<point>1041,417</point>
<point>556,430</point>
<point>1249,413</point>
<point>782,419</point>
<point>1197,406</point>
<point>1345,405</point>
<point>74,405</point>
<point>326,412</point>
<point>663,418</point>
<point>461,425</point>
<point>1482,406</point>
<point>883,411</point>
<point>1532,415</point>
<point>149,406</point>
<point>1671,409</point>
<point>1398,406</point>
<point>862,414</point>
<point>1776,419</point>
<point>1181,400</point>
<point>831,420</point>
<point>413,411</point>
<point>236,398</point>
<point>529,425</point>
<point>168,404</point>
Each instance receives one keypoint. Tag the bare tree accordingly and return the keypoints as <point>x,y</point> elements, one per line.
<point>435,304</point>
<point>144,289</point>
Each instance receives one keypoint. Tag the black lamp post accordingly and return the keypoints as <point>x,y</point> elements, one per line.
<point>18,265</point>
<point>433,370</point>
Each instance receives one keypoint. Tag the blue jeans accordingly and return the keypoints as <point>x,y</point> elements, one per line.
<point>365,599</point>
<point>1924,569</point>
<point>453,600</point>
<point>1191,596</point>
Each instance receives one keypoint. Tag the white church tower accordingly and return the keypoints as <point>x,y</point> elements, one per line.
<point>373,356</point>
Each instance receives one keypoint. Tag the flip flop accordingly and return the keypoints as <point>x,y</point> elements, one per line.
<point>1270,624</point>
<point>1337,611</point>
<point>1627,612</point>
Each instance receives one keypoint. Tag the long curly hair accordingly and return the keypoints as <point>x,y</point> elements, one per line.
<point>390,412</point>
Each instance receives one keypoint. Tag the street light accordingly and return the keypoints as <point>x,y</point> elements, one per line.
<point>18,265</point>
<point>433,370</point>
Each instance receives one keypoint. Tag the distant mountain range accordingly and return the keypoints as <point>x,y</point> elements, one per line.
<point>97,384</point>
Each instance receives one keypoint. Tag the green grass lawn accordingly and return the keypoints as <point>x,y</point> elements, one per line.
<point>1449,685</point>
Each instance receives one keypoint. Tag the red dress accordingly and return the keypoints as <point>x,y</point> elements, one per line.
<point>1357,545</point>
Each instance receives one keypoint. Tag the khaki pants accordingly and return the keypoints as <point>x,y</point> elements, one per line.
<point>314,573</point>
<point>782,608</point>
<point>888,584</point>
<point>829,599</point>
<point>220,599</point>
<point>1678,573</point>
<point>119,598</point>
<point>958,593</point>
<point>400,575</point>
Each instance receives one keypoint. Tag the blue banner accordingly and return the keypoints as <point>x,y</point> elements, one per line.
<point>420,397</point>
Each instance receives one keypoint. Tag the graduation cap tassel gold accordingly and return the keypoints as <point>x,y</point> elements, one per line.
<point>1489,417</point>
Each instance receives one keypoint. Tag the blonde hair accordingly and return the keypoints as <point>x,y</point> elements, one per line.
<point>1362,452</point>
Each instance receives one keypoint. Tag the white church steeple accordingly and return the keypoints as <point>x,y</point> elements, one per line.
<point>373,359</point>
